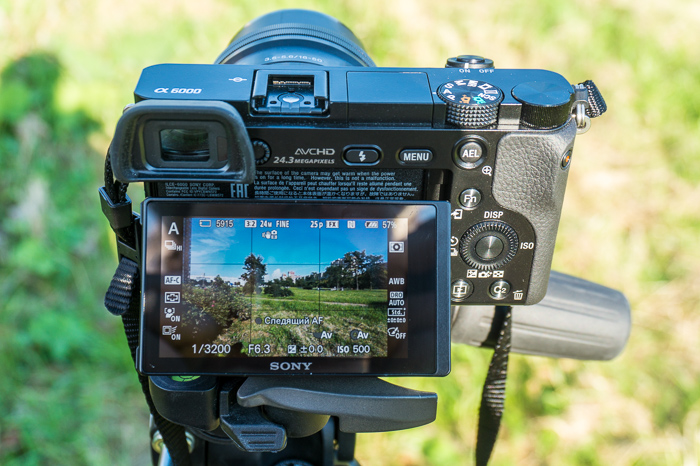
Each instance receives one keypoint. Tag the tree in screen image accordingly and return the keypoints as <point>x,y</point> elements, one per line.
<point>254,275</point>
<point>279,288</point>
<point>217,301</point>
<point>355,263</point>
<point>376,274</point>
<point>357,270</point>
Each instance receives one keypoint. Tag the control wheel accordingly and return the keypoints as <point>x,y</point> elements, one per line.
<point>488,245</point>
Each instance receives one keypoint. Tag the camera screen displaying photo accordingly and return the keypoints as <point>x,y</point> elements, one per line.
<point>240,288</point>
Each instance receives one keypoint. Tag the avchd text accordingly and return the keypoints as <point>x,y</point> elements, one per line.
<point>315,151</point>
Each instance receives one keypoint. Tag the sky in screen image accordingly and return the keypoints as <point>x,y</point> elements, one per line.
<point>299,248</point>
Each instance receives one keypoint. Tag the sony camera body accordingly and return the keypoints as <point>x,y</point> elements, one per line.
<point>308,212</point>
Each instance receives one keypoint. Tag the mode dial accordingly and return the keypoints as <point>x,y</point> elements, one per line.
<point>471,103</point>
<point>545,104</point>
<point>488,245</point>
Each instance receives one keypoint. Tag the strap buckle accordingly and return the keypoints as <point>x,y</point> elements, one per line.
<point>588,103</point>
<point>125,223</point>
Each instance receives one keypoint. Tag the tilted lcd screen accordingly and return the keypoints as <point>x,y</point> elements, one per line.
<point>233,288</point>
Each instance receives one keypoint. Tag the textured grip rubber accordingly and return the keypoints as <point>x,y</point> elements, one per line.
<point>529,179</point>
<point>577,319</point>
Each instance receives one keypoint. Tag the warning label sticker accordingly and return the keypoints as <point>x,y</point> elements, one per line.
<point>339,184</point>
<point>387,185</point>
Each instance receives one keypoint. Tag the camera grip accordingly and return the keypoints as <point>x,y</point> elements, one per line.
<point>530,178</point>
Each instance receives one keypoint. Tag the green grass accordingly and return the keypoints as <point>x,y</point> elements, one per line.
<point>369,297</point>
<point>355,309</point>
<point>366,297</point>
<point>68,394</point>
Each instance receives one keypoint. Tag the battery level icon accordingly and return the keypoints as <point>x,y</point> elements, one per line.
<point>205,223</point>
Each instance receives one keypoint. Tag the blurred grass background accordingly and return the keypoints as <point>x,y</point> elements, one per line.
<point>68,394</point>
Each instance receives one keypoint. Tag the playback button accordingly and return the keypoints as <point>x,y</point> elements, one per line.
<point>361,156</point>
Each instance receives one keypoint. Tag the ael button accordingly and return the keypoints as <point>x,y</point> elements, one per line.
<point>361,156</point>
<point>469,152</point>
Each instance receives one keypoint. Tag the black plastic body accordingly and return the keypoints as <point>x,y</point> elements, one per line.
<point>394,116</point>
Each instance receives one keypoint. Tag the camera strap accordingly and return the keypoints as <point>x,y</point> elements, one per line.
<point>122,299</point>
<point>493,396</point>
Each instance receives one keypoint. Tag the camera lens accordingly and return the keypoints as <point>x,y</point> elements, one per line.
<point>295,36</point>
<point>187,145</point>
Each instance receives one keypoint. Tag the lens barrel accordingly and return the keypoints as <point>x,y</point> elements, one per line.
<point>290,37</point>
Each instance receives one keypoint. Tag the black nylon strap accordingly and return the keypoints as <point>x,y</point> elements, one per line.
<point>122,299</point>
<point>173,434</point>
<point>122,288</point>
<point>494,395</point>
<point>115,188</point>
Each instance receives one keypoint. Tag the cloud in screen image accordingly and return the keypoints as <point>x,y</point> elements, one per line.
<point>211,245</point>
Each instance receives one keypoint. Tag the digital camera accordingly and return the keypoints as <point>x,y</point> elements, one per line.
<point>308,212</point>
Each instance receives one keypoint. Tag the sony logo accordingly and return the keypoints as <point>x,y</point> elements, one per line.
<point>290,366</point>
<point>315,151</point>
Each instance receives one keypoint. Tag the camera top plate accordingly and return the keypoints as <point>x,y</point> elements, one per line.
<point>382,96</point>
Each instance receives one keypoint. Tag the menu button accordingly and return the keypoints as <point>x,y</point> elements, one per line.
<point>415,156</point>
